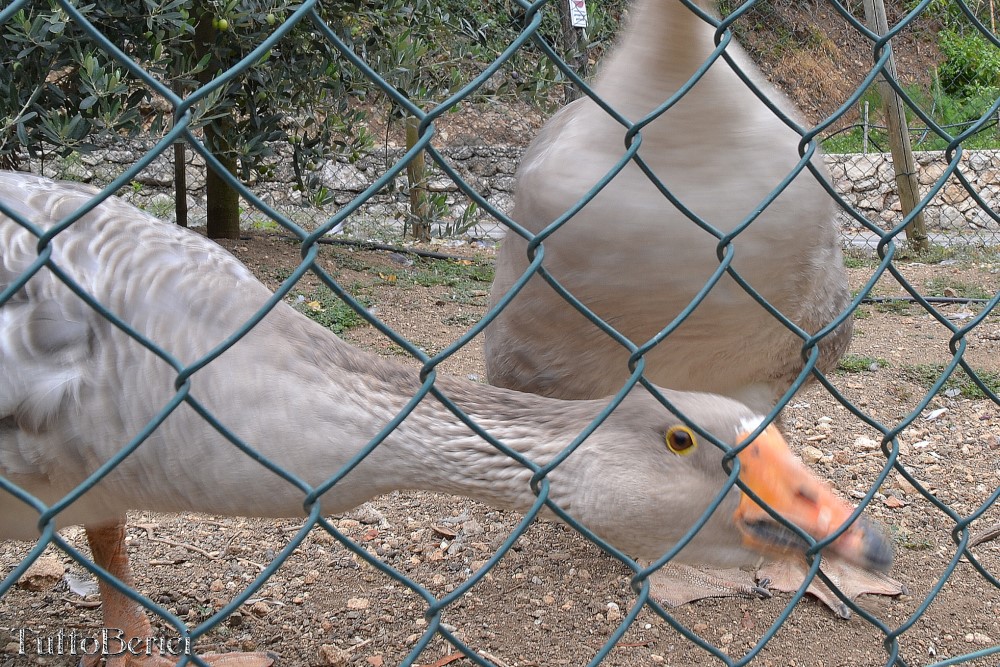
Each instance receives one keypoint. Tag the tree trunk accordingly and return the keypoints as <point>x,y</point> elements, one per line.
<point>223,201</point>
<point>416,178</point>
<point>180,171</point>
<point>573,51</point>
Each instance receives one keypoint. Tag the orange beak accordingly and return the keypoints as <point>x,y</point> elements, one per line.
<point>780,479</point>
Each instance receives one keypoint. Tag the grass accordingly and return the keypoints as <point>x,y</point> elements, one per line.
<point>461,320</point>
<point>927,374</point>
<point>328,310</point>
<point>855,258</point>
<point>450,272</point>
<point>933,254</point>
<point>910,541</point>
<point>942,285</point>
<point>856,363</point>
<point>901,308</point>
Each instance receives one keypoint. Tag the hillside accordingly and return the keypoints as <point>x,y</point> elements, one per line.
<point>819,59</point>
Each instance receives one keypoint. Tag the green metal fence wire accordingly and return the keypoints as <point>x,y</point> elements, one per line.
<point>887,250</point>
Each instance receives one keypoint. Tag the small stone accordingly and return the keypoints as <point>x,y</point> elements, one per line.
<point>217,586</point>
<point>260,609</point>
<point>811,454</point>
<point>310,577</point>
<point>332,656</point>
<point>866,443</point>
<point>358,603</point>
<point>904,485</point>
<point>726,638</point>
<point>43,574</point>
<point>614,612</point>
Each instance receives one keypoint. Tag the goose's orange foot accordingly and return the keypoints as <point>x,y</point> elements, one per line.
<point>107,545</point>
<point>787,574</point>
<point>676,584</point>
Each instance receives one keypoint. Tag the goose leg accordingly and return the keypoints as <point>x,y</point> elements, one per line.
<point>107,546</point>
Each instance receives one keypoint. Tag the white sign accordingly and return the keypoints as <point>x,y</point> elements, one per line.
<point>578,13</point>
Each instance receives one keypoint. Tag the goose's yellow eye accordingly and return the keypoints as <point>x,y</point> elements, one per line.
<point>681,440</point>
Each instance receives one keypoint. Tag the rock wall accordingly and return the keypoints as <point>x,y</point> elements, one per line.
<point>865,182</point>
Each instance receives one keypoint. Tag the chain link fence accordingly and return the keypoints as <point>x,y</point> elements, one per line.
<point>472,123</point>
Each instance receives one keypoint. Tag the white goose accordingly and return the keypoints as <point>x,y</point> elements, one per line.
<point>76,389</point>
<point>636,260</point>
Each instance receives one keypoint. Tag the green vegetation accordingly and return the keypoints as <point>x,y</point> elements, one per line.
<point>856,363</point>
<point>918,541</point>
<point>932,254</point>
<point>61,93</point>
<point>940,285</point>
<point>927,374</point>
<point>952,111</point>
<point>451,273</point>
<point>896,307</point>
<point>461,320</point>
<point>330,311</point>
<point>856,258</point>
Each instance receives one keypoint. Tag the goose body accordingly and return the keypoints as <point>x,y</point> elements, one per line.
<point>75,390</point>
<point>637,261</point>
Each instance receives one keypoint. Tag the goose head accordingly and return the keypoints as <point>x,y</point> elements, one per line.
<point>665,476</point>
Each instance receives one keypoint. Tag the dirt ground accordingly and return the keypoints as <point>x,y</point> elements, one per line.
<point>555,599</point>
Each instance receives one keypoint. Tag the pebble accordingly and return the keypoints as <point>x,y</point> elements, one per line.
<point>978,638</point>
<point>811,454</point>
<point>614,612</point>
<point>333,656</point>
<point>43,574</point>
<point>866,443</point>
<point>358,603</point>
<point>260,609</point>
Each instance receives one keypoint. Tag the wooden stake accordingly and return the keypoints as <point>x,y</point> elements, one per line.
<point>899,138</point>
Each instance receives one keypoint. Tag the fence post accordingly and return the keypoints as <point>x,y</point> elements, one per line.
<point>899,138</point>
<point>864,137</point>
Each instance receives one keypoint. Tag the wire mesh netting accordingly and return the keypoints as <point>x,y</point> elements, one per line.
<point>319,115</point>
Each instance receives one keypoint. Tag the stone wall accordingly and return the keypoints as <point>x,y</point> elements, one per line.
<point>866,182</point>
